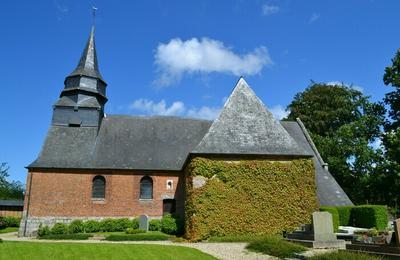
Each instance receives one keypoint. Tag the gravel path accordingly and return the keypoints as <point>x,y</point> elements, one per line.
<point>225,251</point>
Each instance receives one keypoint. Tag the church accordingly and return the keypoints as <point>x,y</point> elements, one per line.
<point>95,166</point>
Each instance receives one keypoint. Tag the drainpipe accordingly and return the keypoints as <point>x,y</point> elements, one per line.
<point>28,202</point>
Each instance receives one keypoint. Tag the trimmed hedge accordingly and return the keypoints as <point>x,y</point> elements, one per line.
<point>134,231</point>
<point>168,224</point>
<point>78,236</point>
<point>248,197</point>
<point>6,222</point>
<point>335,216</point>
<point>363,216</point>
<point>369,216</point>
<point>345,215</point>
<point>275,246</point>
<point>148,236</point>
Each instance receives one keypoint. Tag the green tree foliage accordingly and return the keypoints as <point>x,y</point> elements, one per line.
<point>390,181</point>
<point>343,124</point>
<point>9,189</point>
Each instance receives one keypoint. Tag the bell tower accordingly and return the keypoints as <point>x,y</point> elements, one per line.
<point>81,103</point>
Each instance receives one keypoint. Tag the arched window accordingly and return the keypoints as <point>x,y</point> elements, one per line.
<point>146,188</point>
<point>99,187</point>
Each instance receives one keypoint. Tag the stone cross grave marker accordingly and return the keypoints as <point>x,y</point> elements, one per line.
<point>144,222</point>
<point>323,227</point>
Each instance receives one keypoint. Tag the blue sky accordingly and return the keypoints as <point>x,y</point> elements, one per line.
<point>183,57</point>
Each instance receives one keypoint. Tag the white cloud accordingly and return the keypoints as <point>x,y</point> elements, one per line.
<point>205,55</point>
<point>209,113</point>
<point>313,18</point>
<point>279,112</point>
<point>338,83</point>
<point>160,108</point>
<point>177,108</point>
<point>269,9</point>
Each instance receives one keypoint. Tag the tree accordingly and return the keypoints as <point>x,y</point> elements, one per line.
<point>391,138</point>
<point>9,189</point>
<point>344,125</point>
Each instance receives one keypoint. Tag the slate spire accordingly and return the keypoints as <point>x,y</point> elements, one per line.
<point>245,126</point>
<point>83,98</point>
<point>88,64</point>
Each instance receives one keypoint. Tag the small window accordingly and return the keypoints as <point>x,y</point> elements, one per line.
<point>170,185</point>
<point>146,188</point>
<point>99,187</point>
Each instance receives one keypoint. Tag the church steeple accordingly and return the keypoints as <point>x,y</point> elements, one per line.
<point>83,98</point>
<point>88,64</point>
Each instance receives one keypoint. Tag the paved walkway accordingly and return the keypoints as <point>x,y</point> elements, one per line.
<point>228,251</point>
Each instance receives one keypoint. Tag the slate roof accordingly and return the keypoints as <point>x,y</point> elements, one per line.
<point>245,126</point>
<point>12,203</point>
<point>123,142</point>
<point>328,190</point>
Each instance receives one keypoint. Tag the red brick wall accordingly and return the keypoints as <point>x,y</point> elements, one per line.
<point>69,194</point>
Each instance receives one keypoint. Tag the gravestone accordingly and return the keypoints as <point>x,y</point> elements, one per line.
<point>323,227</point>
<point>144,222</point>
<point>321,235</point>
<point>396,225</point>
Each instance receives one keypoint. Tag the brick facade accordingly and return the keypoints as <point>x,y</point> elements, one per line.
<point>69,194</point>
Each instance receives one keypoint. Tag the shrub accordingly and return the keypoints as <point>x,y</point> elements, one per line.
<point>134,231</point>
<point>59,228</point>
<point>171,224</point>
<point>345,215</point>
<point>43,230</point>
<point>12,221</point>
<point>121,224</point>
<point>344,255</point>
<point>76,226</point>
<point>108,225</point>
<point>335,216</point>
<point>275,246</point>
<point>1,240</point>
<point>3,223</point>
<point>78,236</point>
<point>369,216</point>
<point>92,226</point>
<point>155,225</point>
<point>135,223</point>
<point>234,201</point>
<point>148,236</point>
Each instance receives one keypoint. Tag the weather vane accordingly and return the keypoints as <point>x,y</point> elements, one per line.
<point>94,9</point>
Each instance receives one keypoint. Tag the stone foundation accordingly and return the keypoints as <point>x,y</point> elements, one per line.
<point>29,227</point>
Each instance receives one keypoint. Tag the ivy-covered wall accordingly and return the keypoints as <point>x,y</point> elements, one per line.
<point>252,196</point>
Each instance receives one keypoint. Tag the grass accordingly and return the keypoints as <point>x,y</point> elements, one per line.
<point>78,236</point>
<point>235,238</point>
<point>8,230</point>
<point>275,246</point>
<point>342,255</point>
<point>148,236</point>
<point>37,250</point>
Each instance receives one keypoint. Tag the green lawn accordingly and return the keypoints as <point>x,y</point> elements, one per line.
<point>36,250</point>
<point>8,230</point>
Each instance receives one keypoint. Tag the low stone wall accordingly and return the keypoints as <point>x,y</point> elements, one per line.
<point>29,227</point>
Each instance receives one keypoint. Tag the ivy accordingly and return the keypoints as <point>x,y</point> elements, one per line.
<point>248,197</point>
